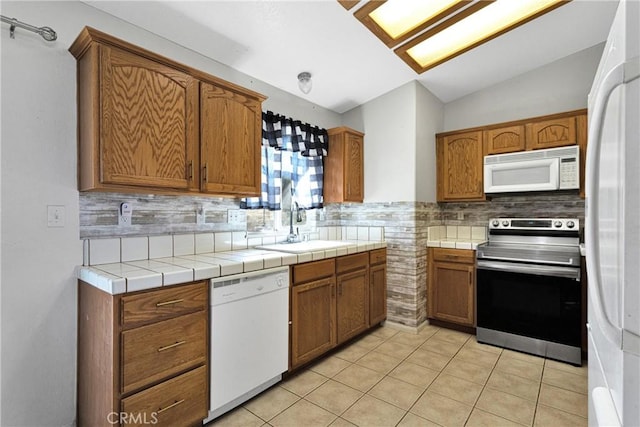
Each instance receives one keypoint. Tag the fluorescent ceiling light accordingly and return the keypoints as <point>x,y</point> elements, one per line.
<point>398,17</point>
<point>456,36</point>
<point>395,21</point>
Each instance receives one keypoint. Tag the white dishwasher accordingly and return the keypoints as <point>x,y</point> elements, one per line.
<point>249,336</point>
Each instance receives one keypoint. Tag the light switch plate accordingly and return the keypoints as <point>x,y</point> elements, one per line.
<point>55,216</point>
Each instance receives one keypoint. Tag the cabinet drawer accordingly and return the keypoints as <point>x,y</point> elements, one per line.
<point>313,270</point>
<point>164,303</point>
<point>454,255</point>
<point>154,352</point>
<point>179,401</point>
<point>378,256</point>
<point>352,262</point>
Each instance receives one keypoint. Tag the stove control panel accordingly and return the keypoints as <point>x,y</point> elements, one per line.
<point>564,224</point>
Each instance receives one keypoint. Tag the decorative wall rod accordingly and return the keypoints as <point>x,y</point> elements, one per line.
<point>46,32</point>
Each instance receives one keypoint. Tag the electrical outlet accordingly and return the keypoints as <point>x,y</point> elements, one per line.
<point>236,216</point>
<point>201,216</point>
<point>125,212</point>
<point>460,216</point>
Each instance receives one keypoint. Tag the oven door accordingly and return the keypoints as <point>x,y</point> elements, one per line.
<point>537,301</point>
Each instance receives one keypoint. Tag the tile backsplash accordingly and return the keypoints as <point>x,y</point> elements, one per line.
<point>126,249</point>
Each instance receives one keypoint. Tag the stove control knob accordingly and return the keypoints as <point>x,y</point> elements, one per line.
<point>505,223</point>
<point>571,224</point>
<point>495,223</point>
<point>557,224</point>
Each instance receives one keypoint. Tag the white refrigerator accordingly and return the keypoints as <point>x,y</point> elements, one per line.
<point>612,231</point>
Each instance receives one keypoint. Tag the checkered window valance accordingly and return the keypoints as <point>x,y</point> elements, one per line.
<point>284,133</point>
<point>290,150</point>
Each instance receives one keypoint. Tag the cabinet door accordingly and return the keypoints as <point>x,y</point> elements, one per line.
<point>354,168</point>
<point>377,294</point>
<point>459,162</point>
<point>353,304</point>
<point>504,140</point>
<point>451,292</point>
<point>230,141</point>
<point>148,131</point>
<point>313,310</point>
<point>551,133</point>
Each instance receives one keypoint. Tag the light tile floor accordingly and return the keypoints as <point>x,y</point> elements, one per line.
<point>437,377</point>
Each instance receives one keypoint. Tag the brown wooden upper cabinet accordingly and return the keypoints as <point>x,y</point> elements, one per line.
<point>504,140</point>
<point>230,135</point>
<point>344,166</point>
<point>460,154</point>
<point>459,166</point>
<point>145,122</point>
<point>551,133</point>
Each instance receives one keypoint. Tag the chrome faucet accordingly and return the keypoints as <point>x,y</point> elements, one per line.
<point>293,237</point>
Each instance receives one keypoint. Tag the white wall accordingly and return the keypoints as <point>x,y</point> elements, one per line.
<point>389,144</point>
<point>560,86</point>
<point>429,121</point>
<point>38,168</point>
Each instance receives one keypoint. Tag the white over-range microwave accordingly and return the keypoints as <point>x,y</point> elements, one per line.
<point>538,170</point>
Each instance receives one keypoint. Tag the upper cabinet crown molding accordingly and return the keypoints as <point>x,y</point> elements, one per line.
<point>147,123</point>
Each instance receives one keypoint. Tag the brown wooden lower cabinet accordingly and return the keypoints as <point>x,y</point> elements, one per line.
<point>451,285</point>
<point>313,310</point>
<point>142,357</point>
<point>352,306</point>
<point>331,302</point>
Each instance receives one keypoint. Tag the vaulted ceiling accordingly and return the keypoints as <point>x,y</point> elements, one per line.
<point>274,41</point>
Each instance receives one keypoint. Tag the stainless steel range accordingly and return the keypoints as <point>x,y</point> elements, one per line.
<point>528,287</point>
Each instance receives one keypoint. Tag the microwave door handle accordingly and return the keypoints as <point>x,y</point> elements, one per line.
<point>617,76</point>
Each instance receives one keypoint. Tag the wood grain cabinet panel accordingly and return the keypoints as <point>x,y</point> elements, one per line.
<point>344,166</point>
<point>451,286</point>
<point>145,121</point>
<point>179,401</point>
<point>160,350</point>
<point>551,133</point>
<point>331,302</point>
<point>230,141</point>
<point>313,313</point>
<point>162,304</point>
<point>504,140</point>
<point>459,167</point>
<point>136,360</point>
<point>460,154</point>
<point>352,303</point>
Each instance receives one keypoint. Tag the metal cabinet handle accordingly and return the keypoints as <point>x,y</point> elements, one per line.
<point>159,411</point>
<point>204,173</point>
<point>173,301</point>
<point>190,170</point>
<point>167,347</point>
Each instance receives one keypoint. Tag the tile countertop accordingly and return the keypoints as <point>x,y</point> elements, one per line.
<point>456,237</point>
<point>130,276</point>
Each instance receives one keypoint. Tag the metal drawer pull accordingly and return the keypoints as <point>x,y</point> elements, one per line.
<point>173,301</point>
<point>170,406</point>
<point>167,347</point>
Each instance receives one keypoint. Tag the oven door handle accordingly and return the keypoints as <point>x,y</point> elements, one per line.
<point>571,261</point>
<point>539,270</point>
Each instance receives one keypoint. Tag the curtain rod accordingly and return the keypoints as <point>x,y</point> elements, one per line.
<point>46,32</point>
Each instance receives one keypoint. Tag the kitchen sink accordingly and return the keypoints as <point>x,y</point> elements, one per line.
<point>308,246</point>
